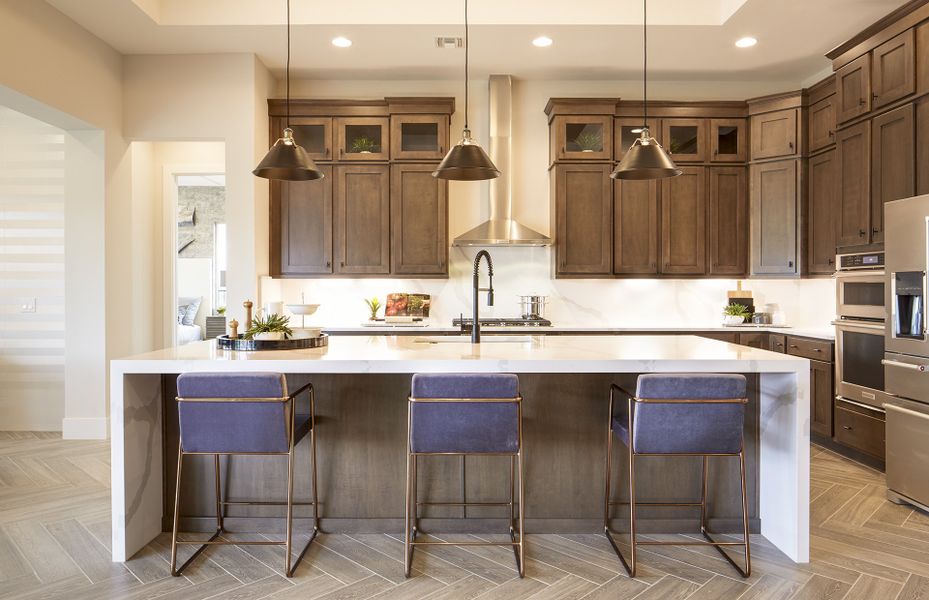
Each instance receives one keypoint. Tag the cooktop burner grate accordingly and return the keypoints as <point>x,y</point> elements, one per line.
<point>505,322</point>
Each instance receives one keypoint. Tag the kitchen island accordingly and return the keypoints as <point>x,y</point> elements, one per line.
<point>362,383</point>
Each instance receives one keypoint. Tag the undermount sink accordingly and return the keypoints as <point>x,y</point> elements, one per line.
<point>466,339</point>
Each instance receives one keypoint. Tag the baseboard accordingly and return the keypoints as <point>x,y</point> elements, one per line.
<point>84,428</point>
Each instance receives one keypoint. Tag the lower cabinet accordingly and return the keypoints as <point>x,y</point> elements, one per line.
<point>821,395</point>
<point>754,340</point>
<point>362,223</point>
<point>860,429</point>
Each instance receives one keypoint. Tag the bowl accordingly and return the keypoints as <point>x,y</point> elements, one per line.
<point>307,332</point>
<point>302,309</point>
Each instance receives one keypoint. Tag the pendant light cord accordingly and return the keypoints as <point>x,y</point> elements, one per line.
<point>644,61</point>
<point>287,70</point>
<point>467,50</point>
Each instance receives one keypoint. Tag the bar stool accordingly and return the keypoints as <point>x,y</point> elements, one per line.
<point>462,414</point>
<point>679,415</point>
<point>242,413</point>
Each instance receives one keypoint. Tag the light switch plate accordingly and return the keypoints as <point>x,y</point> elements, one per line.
<point>27,305</point>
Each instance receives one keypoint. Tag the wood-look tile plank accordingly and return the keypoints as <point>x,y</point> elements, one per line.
<point>504,555</point>
<point>470,587</point>
<point>85,550</point>
<point>669,588</point>
<point>620,586</point>
<point>387,567</point>
<point>256,589</point>
<point>916,588</point>
<point>428,564</point>
<point>869,588</point>
<point>771,587</point>
<point>411,589</point>
<point>720,588</point>
<point>49,561</point>
<point>828,503</point>
<point>309,589</point>
<point>821,588</point>
<point>571,587</point>
<point>514,589</point>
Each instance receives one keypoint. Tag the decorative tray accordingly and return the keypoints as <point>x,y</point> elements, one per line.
<point>224,342</point>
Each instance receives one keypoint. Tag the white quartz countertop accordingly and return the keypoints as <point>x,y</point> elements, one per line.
<point>515,354</point>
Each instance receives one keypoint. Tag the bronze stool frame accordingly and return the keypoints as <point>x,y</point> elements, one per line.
<point>411,520</point>
<point>220,503</point>
<point>631,565</point>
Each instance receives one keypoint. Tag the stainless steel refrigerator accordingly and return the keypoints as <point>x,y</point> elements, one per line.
<point>906,356</point>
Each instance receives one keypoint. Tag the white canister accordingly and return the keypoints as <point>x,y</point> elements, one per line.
<point>273,308</point>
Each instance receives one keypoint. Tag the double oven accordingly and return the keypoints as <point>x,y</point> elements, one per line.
<point>859,331</point>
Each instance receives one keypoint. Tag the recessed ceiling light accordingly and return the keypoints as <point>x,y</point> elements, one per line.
<point>542,41</point>
<point>341,42</point>
<point>746,42</point>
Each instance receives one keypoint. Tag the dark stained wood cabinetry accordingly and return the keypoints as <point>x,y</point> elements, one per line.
<point>301,226</point>
<point>860,429</point>
<point>685,139</point>
<point>853,89</point>
<point>728,221</point>
<point>635,227</point>
<point>683,223</point>
<point>418,137</point>
<point>362,138</point>
<point>418,220</point>
<point>313,133</point>
<point>775,134</point>
<point>584,216</point>
<point>893,160</point>
<point>582,137</point>
<point>893,71</point>
<point>822,123</point>
<point>853,146</point>
<point>362,219</point>
<point>822,384</point>
<point>774,188</point>
<point>921,127</point>
<point>728,140</point>
<point>821,227</point>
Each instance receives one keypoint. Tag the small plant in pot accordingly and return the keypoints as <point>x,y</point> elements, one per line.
<point>374,305</point>
<point>363,145</point>
<point>735,314</point>
<point>271,327</point>
<point>589,141</point>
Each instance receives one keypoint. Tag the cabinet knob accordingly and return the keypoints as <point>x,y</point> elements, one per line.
<point>875,230</point>
<point>790,145</point>
<point>817,349</point>
<point>793,346</point>
<point>862,233</point>
<point>831,261</point>
<point>846,428</point>
<point>861,102</point>
<point>875,96</point>
<point>342,264</point>
<point>328,264</point>
<point>790,264</point>
<point>831,133</point>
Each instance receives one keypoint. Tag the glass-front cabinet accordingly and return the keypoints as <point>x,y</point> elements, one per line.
<point>627,130</point>
<point>363,138</point>
<point>582,137</point>
<point>685,139</point>
<point>314,134</point>
<point>727,140</point>
<point>418,137</point>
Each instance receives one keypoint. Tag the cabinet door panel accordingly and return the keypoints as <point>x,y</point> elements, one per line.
<point>684,139</point>
<point>418,137</point>
<point>419,220</point>
<point>854,157</point>
<point>922,142</point>
<point>363,138</point>
<point>580,137</point>
<point>313,133</point>
<point>774,134</point>
<point>683,223</point>
<point>635,227</point>
<point>821,395</point>
<point>363,219</point>
<point>821,228</point>
<point>728,214</point>
<point>893,69</point>
<point>822,124</point>
<point>584,207</point>
<point>301,226</point>
<point>774,218</point>
<point>727,140</point>
<point>853,89</point>
<point>893,161</point>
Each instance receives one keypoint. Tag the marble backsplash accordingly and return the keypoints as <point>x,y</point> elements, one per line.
<point>808,303</point>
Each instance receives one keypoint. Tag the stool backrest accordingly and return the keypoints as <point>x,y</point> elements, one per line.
<point>234,413</point>
<point>689,414</point>
<point>465,413</point>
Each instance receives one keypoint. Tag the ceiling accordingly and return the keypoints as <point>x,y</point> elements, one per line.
<point>593,39</point>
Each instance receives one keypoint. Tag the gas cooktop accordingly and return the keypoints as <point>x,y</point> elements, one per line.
<point>505,322</point>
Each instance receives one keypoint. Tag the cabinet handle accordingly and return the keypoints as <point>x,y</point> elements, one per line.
<point>846,428</point>
<point>861,102</point>
<point>830,261</point>
<point>327,151</point>
<point>441,150</point>
<point>342,264</point>
<point>790,264</point>
<point>875,96</point>
<point>328,264</point>
<point>817,350</point>
<point>875,230</point>
<point>794,346</point>
<point>862,233</point>
<point>831,133</point>
<point>791,146</point>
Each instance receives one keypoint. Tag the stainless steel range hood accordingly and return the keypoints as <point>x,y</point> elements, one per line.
<point>501,229</point>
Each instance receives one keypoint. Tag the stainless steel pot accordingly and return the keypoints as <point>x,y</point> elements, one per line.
<point>532,307</point>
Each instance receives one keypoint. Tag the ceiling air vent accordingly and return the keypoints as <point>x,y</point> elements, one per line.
<point>449,42</point>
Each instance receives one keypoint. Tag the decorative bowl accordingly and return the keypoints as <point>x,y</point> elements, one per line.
<point>302,309</point>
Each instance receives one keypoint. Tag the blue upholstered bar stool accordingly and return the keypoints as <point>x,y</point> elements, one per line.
<point>242,413</point>
<point>462,414</point>
<point>679,415</point>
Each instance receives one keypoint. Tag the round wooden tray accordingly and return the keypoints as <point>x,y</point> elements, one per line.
<point>224,342</point>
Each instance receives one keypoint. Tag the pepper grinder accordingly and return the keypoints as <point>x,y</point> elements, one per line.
<point>248,313</point>
<point>234,326</point>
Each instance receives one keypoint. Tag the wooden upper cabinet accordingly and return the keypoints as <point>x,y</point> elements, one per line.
<point>581,137</point>
<point>774,134</point>
<point>727,140</point>
<point>418,137</point>
<point>362,222</point>
<point>893,69</point>
<point>313,133</point>
<point>822,123</point>
<point>821,229</point>
<point>635,227</point>
<point>625,132</point>
<point>584,208</point>
<point>728,221</point>
<point>683,223</point>
<point>853,89</point>
<point>921,109</point>
<point>774,218</point>
<point>854,171</point>
<point>418,221</point>
<point>301,226</point>
<point>363,138</point>
<point>893,160</point>
<point>685,139</point>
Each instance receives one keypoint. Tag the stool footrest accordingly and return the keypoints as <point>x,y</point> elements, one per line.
<point>466,543</point>
<point>464,503</point>
<point>262,503</point>
<point>667,504</point>
<point>694,543</point>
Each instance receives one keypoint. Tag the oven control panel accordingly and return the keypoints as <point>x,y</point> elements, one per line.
<point>860,260</point>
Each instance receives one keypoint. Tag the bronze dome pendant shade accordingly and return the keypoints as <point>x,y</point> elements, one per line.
<point>645,159</point>
<point>287,160</point>
<point>466,160</point>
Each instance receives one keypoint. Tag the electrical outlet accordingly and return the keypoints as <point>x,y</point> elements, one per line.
<point>27,305</point>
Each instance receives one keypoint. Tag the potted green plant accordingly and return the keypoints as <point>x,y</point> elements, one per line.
<point>271,327</point>
<point>374,305</point>
<point>221,310</point>
<point>363,145</point>
<point>735,314</point>
<point>415,305</point>
<point>589,141</point>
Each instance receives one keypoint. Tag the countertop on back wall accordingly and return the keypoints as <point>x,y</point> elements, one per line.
<point>822,333</point>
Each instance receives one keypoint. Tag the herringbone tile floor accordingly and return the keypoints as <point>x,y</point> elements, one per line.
<point>55,532</point>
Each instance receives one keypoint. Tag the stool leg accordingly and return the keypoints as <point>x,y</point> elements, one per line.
<point>219,501</point>
<point>748,553</point>
<point>632,557</point>
<point>703,496</point>
<point>313,450</point>
<point>513,496</point>
<point>522,516</point>
<point>177,509</point>
<point>407,548</point>
<point>290,509</point>
<point>609,469</point>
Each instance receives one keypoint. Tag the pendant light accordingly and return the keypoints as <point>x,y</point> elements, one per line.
<point>287,160</point>
<point>645,159</point>
<point>466,160</point>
